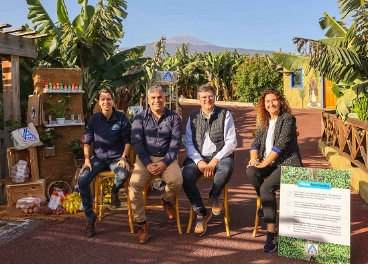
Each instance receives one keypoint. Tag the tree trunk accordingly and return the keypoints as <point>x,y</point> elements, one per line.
<point>124,97</point>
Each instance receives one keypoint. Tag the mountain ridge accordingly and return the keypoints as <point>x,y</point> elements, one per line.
<point>197,45</point>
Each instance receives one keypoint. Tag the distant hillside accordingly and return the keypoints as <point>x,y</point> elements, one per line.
<point>198,45</point>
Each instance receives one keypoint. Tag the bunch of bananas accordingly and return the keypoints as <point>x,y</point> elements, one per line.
<point>361,108</point>
<point>72,203</point>
<point>107,186</point>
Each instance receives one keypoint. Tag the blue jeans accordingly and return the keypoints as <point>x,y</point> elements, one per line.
<point>87,176</point>
<point>191,173</point>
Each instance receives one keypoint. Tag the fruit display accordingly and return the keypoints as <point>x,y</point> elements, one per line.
<point>72,203</point>
<point>60,203</point>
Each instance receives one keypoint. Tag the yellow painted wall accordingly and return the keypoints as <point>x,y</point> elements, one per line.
<point>293,95</point>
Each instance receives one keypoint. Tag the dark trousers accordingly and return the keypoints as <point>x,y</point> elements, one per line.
<point>191,173</point>
<point>266,188</point>
<point>87,176</point>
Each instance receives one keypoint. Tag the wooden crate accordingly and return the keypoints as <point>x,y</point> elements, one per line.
<point>29,155</point>
<point>17,191</point>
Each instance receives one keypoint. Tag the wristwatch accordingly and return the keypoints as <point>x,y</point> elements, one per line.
<point>125,157</point>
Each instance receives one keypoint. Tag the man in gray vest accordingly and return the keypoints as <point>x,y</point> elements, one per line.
<point>210,140</point>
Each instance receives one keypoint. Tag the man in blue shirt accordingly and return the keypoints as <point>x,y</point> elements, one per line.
<point>156,137</point>
<point>111,132</point>
<point>210,140</point>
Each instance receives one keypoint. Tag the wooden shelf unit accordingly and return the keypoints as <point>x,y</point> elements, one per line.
<point>62,91</point>
<point>60,166</point>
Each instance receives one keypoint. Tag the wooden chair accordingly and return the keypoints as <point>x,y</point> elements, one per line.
<point>158,198</point>
<point>226,207</point>
<point>256,220</point>
<point>100,178</point>
<point>99,206</point>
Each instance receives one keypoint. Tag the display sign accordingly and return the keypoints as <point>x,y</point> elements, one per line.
<point>166,76</point>
<point>314,219</point>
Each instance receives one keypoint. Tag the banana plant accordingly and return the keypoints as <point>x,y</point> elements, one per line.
<point>88,42</point>
<point>341,57</point>
<point>190,68</point>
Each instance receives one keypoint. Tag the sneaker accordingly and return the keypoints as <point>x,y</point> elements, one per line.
<point>271,243</point>
<point>201,224</point>
<point>217,207</point>
<point>91,226</point>
<point>143,233</point>
<point>168,208</point>
<point>115,201</point>
<point>260,212</point>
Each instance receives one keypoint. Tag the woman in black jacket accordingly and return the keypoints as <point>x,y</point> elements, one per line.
<point>275,145</point>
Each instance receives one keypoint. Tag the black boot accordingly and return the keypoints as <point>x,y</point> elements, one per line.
<point>115,201</point>
<point>91,226</point>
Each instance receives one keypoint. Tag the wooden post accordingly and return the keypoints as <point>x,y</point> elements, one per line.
<point>11,93</point>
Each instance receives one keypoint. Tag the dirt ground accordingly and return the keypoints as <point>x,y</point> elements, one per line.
<point>64,241</point>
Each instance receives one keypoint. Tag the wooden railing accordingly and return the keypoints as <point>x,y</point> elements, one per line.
<point>3,173</point>
<point>350,139</point>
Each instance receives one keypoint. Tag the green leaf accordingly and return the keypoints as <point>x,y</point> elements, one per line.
<point>336,28</point>
<point>40,18</point>
<point>120,68</point>
<point>62,12</point>
<point>127,79</point>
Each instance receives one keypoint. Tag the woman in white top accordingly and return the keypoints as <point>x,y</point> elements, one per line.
<point>275,144</point>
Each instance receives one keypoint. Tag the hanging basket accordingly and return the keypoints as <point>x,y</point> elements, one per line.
<point>60,184</point>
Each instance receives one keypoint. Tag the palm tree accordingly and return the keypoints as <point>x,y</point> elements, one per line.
<point>89,42</point>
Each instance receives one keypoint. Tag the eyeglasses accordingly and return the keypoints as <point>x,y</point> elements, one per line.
<point>207,97</point>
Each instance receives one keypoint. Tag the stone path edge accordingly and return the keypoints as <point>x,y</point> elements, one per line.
<point>359,178</point>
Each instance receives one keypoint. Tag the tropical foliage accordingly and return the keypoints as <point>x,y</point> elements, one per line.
<point>89,42</point>
<point>341,57</point>
<point>190,67</point>
<point>197,68</point>
<point>254,75</point>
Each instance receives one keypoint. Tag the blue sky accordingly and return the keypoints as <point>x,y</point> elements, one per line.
<point>252,24</point>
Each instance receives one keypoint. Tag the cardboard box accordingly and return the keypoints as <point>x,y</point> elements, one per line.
<point>17,191</point>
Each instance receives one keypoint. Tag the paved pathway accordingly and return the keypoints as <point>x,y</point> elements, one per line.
<point>64,242</point>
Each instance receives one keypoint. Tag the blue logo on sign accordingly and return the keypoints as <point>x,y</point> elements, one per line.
<point>115,127</point>
<point>312,249</point>
<point>168,76</point>
<point>28,136</point>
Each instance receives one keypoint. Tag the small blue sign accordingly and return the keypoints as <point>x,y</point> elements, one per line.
<point>168,77</point>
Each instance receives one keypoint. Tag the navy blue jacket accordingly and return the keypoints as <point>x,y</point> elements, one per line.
<point>160,138</point>
<point>110,136</point>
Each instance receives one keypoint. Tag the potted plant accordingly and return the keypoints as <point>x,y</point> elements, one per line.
<point>48,137</point>
<point>59,109</point>
<point>60,113</point>
<point>13,123</point>
<point>78,151</point>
